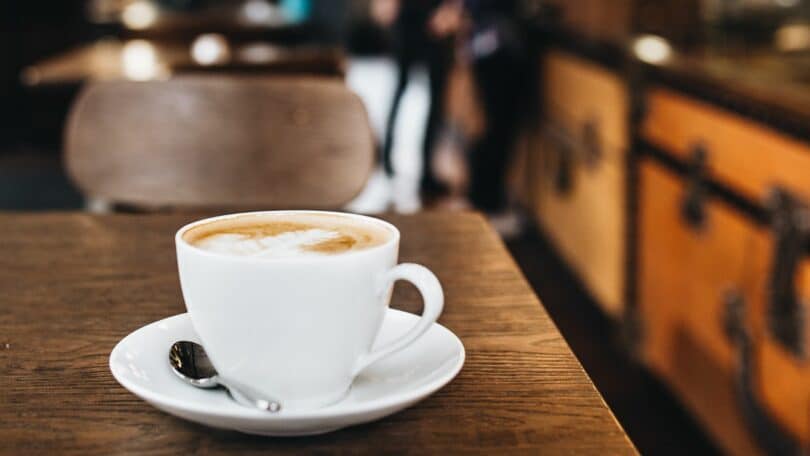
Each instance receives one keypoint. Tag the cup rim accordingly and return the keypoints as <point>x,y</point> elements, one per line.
<point>179,241</point>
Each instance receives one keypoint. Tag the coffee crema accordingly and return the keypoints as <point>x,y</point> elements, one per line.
<point>286,235</point>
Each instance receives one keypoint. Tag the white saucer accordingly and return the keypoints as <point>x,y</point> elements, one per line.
<point>140,364</point>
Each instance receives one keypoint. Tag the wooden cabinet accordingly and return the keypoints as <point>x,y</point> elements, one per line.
<point>714,208</point>
<point>579,176</point>
<point>723,274</point>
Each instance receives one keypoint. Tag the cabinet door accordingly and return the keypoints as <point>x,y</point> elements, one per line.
<point>585,220</point>
<point>579,176</point>
<point>685,274</point>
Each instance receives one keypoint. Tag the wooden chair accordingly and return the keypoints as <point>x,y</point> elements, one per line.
<point>220,141</point>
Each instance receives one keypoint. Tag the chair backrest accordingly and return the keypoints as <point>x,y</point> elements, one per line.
<point>220,141</point>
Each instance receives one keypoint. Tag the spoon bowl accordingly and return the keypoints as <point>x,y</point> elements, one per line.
<point>190,362</point>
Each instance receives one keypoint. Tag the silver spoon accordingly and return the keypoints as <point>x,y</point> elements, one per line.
<point>190,362</point>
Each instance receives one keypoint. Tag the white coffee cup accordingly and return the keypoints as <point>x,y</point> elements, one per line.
<point>298,329</point>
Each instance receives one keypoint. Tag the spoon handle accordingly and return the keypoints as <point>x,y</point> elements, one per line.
<point>249,398</point>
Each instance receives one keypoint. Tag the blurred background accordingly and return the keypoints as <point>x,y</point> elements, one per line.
<point>646,161</point>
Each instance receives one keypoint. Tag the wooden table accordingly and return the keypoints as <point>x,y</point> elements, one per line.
<point>72,285</point>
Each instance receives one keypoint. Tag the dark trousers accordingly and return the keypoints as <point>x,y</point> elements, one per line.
<point>501,82</point>
<point>437,58</point>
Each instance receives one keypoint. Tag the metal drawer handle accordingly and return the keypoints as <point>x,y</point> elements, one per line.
<point>694,201</point>
<point>570,149</point>
<point>591,143</point>
<point>789,222</point>
<point>768,433</point>
<point>562,153</point>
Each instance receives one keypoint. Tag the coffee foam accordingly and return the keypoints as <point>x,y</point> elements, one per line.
<point>286,236</point>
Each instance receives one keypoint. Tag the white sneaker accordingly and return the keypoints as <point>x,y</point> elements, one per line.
<point>375,198</point>
<point>509,223</point>
<point>405,194</point>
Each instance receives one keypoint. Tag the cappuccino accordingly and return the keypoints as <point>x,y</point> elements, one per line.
<point>306,291</point>
<point>286,235</point>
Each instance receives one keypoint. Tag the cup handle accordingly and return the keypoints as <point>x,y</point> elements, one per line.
<point>430,289</point>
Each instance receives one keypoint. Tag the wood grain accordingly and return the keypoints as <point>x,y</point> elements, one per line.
<point>220,141</point>
<point>73,285</point>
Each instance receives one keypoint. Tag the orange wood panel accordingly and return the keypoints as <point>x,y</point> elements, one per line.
<point>586,223</point>
<point>684,275</point>
<point>783,378</point>
<point>743,154</point>
<point>577,91</point>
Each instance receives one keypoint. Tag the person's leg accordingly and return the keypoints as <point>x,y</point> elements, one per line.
<point>439,60</point>
<point>498,78</point>
<point>486,160</point>
<point>403,62</point>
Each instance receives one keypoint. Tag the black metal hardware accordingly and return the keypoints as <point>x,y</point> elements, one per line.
<point>563,147</point>
<point>693,205</point>
<point>768,433</point>
<point>564,177</point>
<point>569,149</point>
<point>789,222</point>
<point>756,213</point>
<point>591,143</point>
<point>734,315</point>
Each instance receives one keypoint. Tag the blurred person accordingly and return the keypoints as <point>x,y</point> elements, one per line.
<point>501,72</point>
<point>422,33</point>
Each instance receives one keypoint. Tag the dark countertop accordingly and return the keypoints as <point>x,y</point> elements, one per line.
<point>768,87</point>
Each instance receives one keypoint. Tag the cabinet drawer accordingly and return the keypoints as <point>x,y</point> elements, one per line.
<point>683,278</point>
<point>580,95</point>
<point>686,274</point>
<point>585,219</point>
<point>746,156</point>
